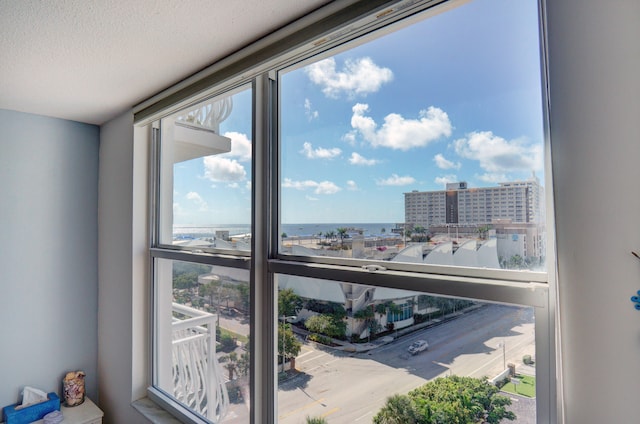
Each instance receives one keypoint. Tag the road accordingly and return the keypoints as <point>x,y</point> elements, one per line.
<point>351,388</point>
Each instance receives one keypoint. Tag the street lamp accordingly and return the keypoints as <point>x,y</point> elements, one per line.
<point>504,360</point>
<point>284,318</point>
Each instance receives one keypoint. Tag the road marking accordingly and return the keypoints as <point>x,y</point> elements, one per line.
<point>330,412</point>
<point>364,416</point>
<point>309,352</point>
<point>322,365</point>
<point>302,408</point>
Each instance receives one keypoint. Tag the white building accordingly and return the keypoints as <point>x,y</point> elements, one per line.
<point>517,201</point>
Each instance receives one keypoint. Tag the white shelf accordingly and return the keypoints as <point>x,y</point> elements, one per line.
<point>86,413</point>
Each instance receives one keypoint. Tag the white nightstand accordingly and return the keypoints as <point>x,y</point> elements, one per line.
<point>87,413</point>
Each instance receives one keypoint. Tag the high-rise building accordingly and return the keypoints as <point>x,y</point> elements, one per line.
<point>515,202</point>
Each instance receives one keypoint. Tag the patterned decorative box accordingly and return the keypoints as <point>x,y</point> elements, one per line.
<point>31,413</point>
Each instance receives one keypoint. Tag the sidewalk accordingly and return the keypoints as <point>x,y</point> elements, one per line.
<point>365,347</point>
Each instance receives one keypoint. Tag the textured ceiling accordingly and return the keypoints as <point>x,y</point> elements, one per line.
<point>89,60</point>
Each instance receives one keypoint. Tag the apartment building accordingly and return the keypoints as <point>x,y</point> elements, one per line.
<point>514,201</point>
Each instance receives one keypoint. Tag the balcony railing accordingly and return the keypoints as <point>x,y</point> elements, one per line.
<point>197,375</point>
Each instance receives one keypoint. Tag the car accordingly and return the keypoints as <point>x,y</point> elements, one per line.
<point>418,346</point>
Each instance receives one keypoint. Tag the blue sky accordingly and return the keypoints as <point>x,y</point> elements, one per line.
<point>455,97</point>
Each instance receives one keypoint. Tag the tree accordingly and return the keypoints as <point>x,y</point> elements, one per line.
<point>368,317</point>
<point>231,363</point>
<point>326,324</point>
<point>227,342</point>
<point>212,290</point>
<point>420,231</point>
<point>399,409</point>
<point>483,231</point>
<point>448,400</point>
<point>289,303</point>
<point>516,262</point>
<point>407,234</point>
<point>244,364</point>
<point>342,233</point>
<point>187,280</point>
<point>292,345</point>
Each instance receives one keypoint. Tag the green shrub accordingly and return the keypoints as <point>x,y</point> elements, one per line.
<point>227,343</point>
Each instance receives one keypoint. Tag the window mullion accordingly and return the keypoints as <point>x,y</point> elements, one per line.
<point>532,294</point>
<point>263,373</point>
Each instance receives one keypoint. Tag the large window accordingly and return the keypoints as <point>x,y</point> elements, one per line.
<point>202,300</point>
<point>423,145</point>
<point>353,221</point>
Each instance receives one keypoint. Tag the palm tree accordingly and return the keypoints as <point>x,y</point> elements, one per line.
<point>232,363</point>
<point>316,420</point>
<point>399,409</point>
<point>367,316</point>
<point>407,234</point>
<point>342,233</point>
<point>420,231</point>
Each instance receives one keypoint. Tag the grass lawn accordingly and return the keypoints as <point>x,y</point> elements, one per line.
<point>238,337</point>
<point>527,386</point>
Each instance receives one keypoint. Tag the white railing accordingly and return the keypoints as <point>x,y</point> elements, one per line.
<point>197,375</point>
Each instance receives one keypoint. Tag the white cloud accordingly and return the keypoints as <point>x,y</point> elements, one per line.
<point>192,195</point>
<point>350,137</point>
<point>497,155</point>
<point>396,180</point>
<point>493,178</point>
<point>227,167</point>
<point>319,153</point>
<point>197,200</point>
<point>323,187</point>
<point>358,77</point>
<point>240,146</point>
<point>313,199</point>
<point>451,178</point>
<point>220,169</point>
<point>443,163</point>
<point>357,159</point>
<point>399,133</point>
<point>351,185</point>
<point>326,187</point>
<point>308,110</point>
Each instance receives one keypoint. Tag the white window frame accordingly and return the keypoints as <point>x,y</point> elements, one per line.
<point>317,35</point>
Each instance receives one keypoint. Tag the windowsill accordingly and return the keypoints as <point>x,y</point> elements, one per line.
<point>154,413</point>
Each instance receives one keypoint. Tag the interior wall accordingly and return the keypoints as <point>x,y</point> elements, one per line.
<point>122,333</point>
<point>48,253</point>
<point>594,57</point>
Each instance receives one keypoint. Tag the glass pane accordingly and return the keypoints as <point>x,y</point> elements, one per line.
<point>205,182</point>
<point>424,145</point>
<point>202,338</point>
<point>348,348</point>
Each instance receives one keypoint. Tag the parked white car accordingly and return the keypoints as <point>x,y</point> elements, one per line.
<point>418,346</point>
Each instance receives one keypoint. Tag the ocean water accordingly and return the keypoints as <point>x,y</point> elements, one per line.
<point>291,230</point>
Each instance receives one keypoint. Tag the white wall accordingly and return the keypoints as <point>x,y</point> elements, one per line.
<point>123,284</point>
<point>594,50</point>
<point>48,252</point>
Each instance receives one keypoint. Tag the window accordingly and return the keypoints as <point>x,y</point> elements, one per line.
<point>205,175</point>
<point>318,212</point>
<point>202,302</point>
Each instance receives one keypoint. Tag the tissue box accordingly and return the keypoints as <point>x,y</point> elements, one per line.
<point>31,413</point>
